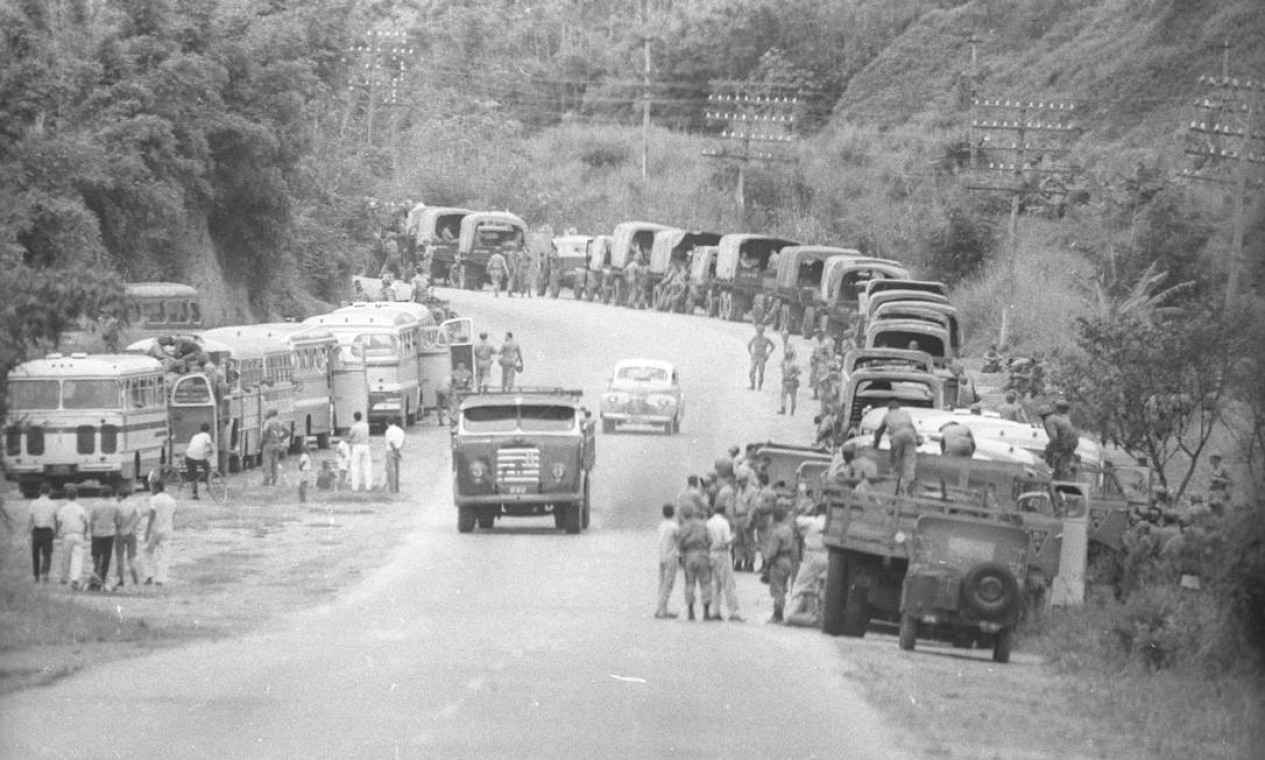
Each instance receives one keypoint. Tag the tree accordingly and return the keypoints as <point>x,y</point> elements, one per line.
<point>1156,388</point>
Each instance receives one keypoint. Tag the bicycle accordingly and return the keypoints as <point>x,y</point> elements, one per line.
<point>175,478</point>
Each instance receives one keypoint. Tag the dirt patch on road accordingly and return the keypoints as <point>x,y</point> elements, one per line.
<point>235,568</point>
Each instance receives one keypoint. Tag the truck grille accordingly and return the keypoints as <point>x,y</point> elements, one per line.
<point>518,466</point>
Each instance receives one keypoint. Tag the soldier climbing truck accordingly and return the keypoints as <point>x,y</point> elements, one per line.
<point>522,453</point>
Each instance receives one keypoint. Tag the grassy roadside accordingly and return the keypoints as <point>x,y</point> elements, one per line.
<point>235,568</point>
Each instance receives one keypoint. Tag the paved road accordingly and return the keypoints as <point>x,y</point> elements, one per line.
<point>519,641</point>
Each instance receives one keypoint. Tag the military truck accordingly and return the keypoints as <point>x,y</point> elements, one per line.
<point>843,285</point>
<point>523,453</point>
<point>674,248</point>
<point>801,269</point>
<point>438,230</point>
<point>566,265</point>
<point>628,241</point>
<point>746,270</point>
<point>482,234</point>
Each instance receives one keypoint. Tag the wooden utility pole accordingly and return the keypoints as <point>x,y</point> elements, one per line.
<point>645,90</point>
<point>751,113</point>
<point>1020,173</point>
<point>384,60</point>
<point>1225,134</point>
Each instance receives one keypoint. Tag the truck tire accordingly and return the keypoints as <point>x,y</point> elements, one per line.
<point>559,517</point>
<point>588,507</point>
<point>908,632</point>
<point>486,521</point>
<point>608,426</point>
<point>1001,647</point>
<point>834,594</point>
<point>465,519</point>
<point>856,610</point>
<point>572,519</point>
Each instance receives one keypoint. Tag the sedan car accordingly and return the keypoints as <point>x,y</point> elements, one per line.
<point>643,392</point>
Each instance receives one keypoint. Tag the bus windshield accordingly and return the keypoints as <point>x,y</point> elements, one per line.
<point>33,394</point>
<point>91,394</point>
<point>377,345</point>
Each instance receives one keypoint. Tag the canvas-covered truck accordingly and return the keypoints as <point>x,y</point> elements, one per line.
<point>801,270</point>
<point>438,230</point>
<point>482,234</point>
<point>522,453</point>
<point>746,272</point>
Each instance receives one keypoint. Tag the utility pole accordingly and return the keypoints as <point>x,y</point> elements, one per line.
<point>1227,140</point>
<point>383,61</point>
<point>645,90</point>
<point>751,113</point>
<point>1022,166</point>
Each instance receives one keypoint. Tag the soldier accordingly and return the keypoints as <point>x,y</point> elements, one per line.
<point>956,440</point>
<point>1060,452</point>
<point>635,280</point>
<point>966,388</point>
<point>779,552</point>
<point>523,266</point>
<point>818,361</point>
<point>1011,410</point>
<point>758,348</point>
<point>483,354</point>
<point>790,379</point>
<point>275,436</point>
<point>993,360</point>
<point>1219,483</point>
<point>388,286</point>
<point>694,548</point>
<point>511,361</point>
<point>421,285</point>
<point>902,437</point>
<point>691,496</point>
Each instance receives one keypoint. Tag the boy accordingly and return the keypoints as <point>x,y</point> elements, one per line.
<point>669,559</point>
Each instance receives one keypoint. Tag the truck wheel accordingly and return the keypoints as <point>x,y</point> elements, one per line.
<point>572,519</point>
<point>676,425</point>
<point>856,610</point>
<point>554,289</point>
<point>584,521</point>
<point>908,632</point>
<point>833,596</point>
<point>608,426</point>
<point>1001,647</point>
<point>322,440</point>
<point>559,517</point>
<point>465,519</point>
<point>486,521</point>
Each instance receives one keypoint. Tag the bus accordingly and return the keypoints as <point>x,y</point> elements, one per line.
<point>81,418</point>
<point>260,376</point>
<point>386,342</point>
<point>153,309</point>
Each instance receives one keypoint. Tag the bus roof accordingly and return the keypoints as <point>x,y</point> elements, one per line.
<point>418,311</point>
<point>246,340</point>
<point>86,365</point>
<point>361,316</point>
<point>159,289</point>
<point>297,332</point>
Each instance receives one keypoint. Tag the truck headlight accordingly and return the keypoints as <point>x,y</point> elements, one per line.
<point>478,471</point>
<point>559,471</point>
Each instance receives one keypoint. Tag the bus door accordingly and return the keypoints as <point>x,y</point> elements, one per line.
<point>349,384</point>
<point>458,334</point>
<point>193,403</point>
<point>434,362</point>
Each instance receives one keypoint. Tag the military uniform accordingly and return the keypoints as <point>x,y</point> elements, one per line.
<point>902,437</point>
<point>779,550</point>
<point>694,545</point>
<point>483,355</point>
<point>759,348</point>
<point>511,359</point>
<point>1060,452</point>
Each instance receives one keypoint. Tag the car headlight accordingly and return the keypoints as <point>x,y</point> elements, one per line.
<point>478,471</point>
<point>661,400</point>
<point>559,471</point>
<point>617,398</point>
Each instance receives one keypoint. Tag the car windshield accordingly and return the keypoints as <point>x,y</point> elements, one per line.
<point>32,394</point>
<point>643,374</point>
<point>530,418</point>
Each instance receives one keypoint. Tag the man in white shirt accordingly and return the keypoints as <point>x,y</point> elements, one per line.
<point>395,446</point>
<point>361,460</point>
<point>720,538</point>
<point>669,560</point>
<point>72,525</point>
<point>162,511</point>
<point>197,456</point>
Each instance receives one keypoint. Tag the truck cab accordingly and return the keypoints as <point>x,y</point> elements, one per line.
<point>522,453</point>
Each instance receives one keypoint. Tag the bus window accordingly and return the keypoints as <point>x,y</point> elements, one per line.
<point>195,313</point>
<point>90,394</point>
<point>153,314</point>
<point>178,312</point>
<point>33,394</point>
<point>191,390</point>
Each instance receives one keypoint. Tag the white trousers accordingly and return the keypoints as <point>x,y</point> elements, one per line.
<point>361,467</point>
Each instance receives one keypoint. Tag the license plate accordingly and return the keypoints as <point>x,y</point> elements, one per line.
<point>517,489</point>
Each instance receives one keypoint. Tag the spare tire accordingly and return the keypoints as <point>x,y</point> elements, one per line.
<point>990,590</point>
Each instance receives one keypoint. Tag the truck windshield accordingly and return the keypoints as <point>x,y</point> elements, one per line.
<point>534,418</point>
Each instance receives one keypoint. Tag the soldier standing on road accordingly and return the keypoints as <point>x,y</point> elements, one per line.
<point>669,560</point>
<point>691,496</point>
<point>394,436</point>
<point>692,543</point>
<point>511,362</point>
<point>758,348</point>
<point>1060,452</point>
<point>1011,410</point>
<point>523,273</point>
<point>497,268</point>
<point>721,539</point>
<point>42,524</point>
<point>902,437</point>
<point>790,379</point>
<point>779,550</point>
<point>483,355</point>
<point>274,435</point>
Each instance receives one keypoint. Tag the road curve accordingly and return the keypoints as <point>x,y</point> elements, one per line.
<point>519,641</point>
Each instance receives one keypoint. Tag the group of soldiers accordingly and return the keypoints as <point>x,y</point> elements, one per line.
<point>726,520</point>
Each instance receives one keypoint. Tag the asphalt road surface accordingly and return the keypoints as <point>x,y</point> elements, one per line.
<point>519,641</point>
